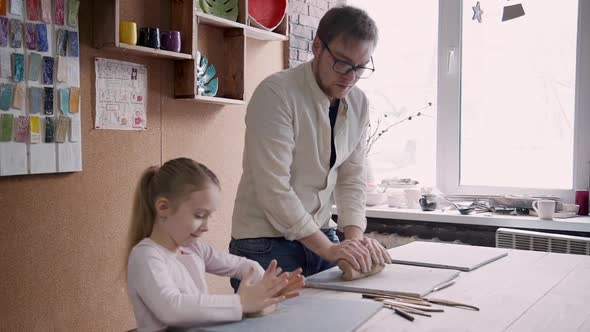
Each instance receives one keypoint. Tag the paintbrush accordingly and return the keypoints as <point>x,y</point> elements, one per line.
<point>414,306</point>
<point>398,299</point>
<point>414,300</point>
<point>407,309</point>
<point>404,314</point>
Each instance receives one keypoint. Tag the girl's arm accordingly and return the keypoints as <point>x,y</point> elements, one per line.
<point>150,277</point>
<point>225,264</point>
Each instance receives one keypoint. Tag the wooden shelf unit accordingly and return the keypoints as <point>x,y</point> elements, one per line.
<point>225,49</point>
<point>222,41</point>
<point>216,100</point>
<point>256,33</point>
<point>142,50</point>
<point>279,34</point>
<point>106,33</point>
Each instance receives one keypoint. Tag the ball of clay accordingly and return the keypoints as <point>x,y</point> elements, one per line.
<point>349,273</point>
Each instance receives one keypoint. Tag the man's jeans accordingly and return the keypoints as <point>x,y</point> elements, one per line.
<point>290,255</point>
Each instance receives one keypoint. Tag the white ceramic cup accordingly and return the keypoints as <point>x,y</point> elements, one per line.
<point>412,197</point>
<point>544,208</point>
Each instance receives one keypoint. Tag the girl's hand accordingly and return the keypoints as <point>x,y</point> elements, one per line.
<point>296,281</point>
<point>257,296</point>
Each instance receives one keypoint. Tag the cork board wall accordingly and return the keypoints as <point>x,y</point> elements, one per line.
<point>62,236</point>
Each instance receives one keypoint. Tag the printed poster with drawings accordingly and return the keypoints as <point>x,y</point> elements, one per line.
<point>121,89</point>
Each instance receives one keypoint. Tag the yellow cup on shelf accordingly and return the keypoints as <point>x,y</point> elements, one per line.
<point>128,32</point>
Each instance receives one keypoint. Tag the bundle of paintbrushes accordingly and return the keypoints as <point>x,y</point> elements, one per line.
<point>407,306</point>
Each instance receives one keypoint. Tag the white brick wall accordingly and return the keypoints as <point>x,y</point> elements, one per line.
<point>304,17</point>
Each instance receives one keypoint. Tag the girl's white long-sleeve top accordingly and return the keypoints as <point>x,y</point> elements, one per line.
<point>169,289</point>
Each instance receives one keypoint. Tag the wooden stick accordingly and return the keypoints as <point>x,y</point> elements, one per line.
<point>417,305</point>
<point>415,300</point>
<point>403,314</point>
<point>406,309</point>
<point>380,298</point>
<point>397,304</point>
<point>422,303</point>
<point>413,306</point>
<point>389,294</point>
<point>413,309</point>
<point>411,298</point>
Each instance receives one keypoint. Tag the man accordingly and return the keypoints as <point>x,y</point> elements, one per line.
<point>305,140</point>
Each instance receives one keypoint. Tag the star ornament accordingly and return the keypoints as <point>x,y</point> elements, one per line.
<point>477,12</point>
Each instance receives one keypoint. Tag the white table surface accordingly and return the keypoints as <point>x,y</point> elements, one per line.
<point>525,291</point>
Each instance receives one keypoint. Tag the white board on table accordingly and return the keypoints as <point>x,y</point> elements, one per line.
<point>307,314</point>
<point>394,279</point>
<point>446,255</point>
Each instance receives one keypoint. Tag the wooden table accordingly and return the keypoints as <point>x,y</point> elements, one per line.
<point>525,291</point>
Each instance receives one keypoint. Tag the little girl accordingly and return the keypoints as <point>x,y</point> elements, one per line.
<point>167,265</point>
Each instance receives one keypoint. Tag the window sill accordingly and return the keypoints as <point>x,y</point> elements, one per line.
<point>576,224</point>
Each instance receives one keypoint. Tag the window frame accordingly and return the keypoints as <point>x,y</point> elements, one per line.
<point>449,108</point>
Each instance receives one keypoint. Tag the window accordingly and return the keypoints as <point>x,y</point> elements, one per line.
<point>509,112</point>
<point>403,84</point>
<point>512,115</point>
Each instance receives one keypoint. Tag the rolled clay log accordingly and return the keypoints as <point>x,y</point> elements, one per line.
<point>349,273</point>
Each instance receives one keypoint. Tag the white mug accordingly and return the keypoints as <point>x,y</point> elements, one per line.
<point>544,208</point>
<point>412,197</point>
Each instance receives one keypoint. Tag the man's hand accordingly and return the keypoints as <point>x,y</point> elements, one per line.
<point>360,252</point>
<point>352,251</point>
<point>379,254</point>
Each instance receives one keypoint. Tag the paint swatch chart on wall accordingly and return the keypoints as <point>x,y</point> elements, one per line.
<point>40,128</point>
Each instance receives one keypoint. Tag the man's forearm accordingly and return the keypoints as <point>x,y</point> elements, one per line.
<point>353,232</point>
<point>317,242</point>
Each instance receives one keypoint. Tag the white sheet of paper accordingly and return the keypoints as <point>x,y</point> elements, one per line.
<point>14,158</point>
<point>75,129</point>
<point>43,158</point>
<point>121,89</point>
<point>69,157</point>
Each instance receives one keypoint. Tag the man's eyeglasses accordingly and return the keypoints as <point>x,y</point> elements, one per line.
<point>343,67</point>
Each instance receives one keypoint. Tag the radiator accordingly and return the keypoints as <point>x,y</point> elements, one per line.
<point>539,241</point>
